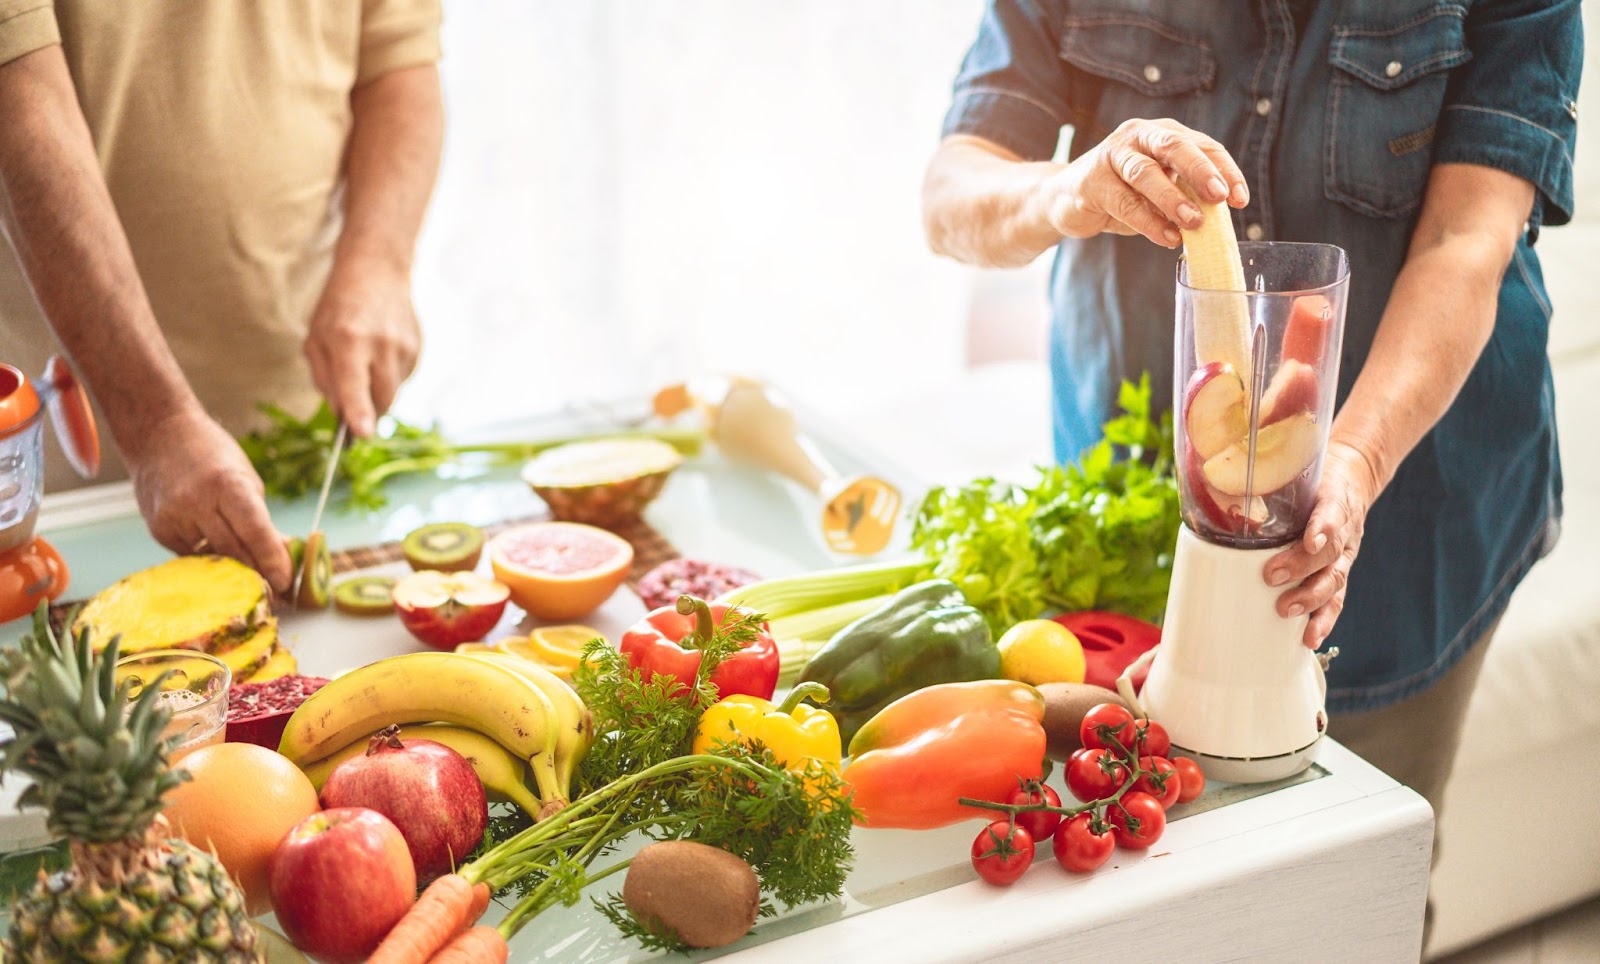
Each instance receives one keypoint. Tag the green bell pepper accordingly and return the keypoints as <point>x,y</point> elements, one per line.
<point>925,635</point>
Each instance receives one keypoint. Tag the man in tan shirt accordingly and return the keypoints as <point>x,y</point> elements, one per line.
<point>210,205</point>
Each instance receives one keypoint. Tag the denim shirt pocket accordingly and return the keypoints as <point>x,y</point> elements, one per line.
<point>1155,69</point>
<point>1387,91</point>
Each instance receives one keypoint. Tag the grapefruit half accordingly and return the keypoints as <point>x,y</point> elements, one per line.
<point>559,571</point>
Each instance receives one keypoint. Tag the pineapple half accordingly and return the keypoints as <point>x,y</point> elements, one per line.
<point>99,766</point>
<point>604,482</point>
<point>208,603</point>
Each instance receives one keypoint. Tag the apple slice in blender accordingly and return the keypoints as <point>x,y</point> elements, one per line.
<point>1215,410</point>
<point>1293,389</point>
<point>1306,333</point>
<point>1284,449</point>
<point>1225,512</point>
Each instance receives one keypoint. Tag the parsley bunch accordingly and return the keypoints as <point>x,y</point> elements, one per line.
<point>1096,534</point>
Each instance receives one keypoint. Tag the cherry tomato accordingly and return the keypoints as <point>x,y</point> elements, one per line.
<point>1141,807</point>
<point>1163,768</point>
<point>1106,714</point>
<point>1088,781</point>
<point>1194,778</point>
<point>1156,741</point>
<point>1039,823</point>
<point>1002,852</point>
<point>1078,848</point>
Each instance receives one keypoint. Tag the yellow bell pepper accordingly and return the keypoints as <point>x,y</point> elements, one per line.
<point>794,733</point>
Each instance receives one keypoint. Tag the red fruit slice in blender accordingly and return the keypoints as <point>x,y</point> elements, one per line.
<point>1293,390</point>
<point>1216,410</point>
<point>1284,449</point>
<point>1305,335</point>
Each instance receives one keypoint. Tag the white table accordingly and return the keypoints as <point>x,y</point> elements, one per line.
<point>1332,868</point>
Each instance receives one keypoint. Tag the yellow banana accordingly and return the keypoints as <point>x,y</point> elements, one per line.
<point>575,724</point>
<point>502,774</point>
<point>1221,322</point>
<point>424,688</point>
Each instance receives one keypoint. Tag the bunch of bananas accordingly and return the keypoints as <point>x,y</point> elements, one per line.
<point>504,714</point>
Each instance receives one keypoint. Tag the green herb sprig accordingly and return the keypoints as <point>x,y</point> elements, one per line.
<point>1095,534</point>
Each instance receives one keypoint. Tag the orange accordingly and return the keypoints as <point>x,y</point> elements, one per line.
<point>558,649</point>
<point>559,571</point>
<point>241,802</point>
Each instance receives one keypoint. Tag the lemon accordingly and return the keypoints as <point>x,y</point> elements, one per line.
<point>1039,651</point>
<point>558,649</point>
<point>474,648</point>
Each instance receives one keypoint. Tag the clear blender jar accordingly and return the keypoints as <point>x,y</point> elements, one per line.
<point>1256,376</point>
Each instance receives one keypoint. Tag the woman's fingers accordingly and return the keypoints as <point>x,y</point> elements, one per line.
<point>1140,164</point>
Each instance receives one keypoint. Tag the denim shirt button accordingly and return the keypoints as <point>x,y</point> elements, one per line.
<point>1152,73</point>
<point>1393,70</point>
<point>1264,106</point>
<point>1253,231</point>
<point>1572,109</point>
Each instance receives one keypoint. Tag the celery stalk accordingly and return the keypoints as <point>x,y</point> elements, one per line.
<point>811,591</point>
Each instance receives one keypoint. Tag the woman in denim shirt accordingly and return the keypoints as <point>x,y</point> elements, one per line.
<point>1430,140</point>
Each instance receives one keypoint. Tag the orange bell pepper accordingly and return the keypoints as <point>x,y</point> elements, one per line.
<point>910,765</point>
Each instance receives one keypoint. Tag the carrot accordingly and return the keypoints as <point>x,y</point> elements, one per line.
<point>479,945</point>
<point>437,917</point>
<point>480,903</point>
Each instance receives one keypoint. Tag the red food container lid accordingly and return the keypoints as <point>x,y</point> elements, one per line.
<point>1111,641</point>
<point>19,403</point>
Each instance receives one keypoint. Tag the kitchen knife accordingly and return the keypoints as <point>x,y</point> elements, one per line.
<point>322,503</point>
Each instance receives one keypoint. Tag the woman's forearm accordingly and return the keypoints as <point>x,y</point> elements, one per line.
<point>1440,314</point>
<point>985,207</point>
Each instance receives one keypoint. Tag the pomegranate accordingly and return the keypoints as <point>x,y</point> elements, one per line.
<point>425,788</point>
<point>258,712</point>
<point>663,585</point>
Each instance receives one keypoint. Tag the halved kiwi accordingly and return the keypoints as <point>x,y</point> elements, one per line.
<point>297,552</point>
<point>445,546</point>
<point>365,595</point>
<point>318,563</point>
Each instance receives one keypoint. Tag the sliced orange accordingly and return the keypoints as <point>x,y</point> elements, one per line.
<point>474,648</point>
<point>559,571</point>
<point>558,649</point>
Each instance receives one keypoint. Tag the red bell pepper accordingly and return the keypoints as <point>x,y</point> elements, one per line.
<point>1111,642</point>
<point>668,642</point>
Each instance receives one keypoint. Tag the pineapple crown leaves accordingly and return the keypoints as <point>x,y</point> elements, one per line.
<point>97,759</point>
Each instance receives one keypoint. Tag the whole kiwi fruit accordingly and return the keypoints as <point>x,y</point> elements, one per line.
<point>705,896</point>
<point>1064,707</point>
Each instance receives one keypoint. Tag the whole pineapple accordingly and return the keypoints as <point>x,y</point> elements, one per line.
<point>100,769</point>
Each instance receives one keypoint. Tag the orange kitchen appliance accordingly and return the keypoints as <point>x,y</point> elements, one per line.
<point>1255,375</point>
<point>30,568</point>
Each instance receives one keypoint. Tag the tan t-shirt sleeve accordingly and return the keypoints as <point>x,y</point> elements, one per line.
<point>396,34</point>
<point>26,26</point>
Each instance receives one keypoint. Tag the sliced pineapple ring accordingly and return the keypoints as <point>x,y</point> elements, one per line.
<point>249,656</point>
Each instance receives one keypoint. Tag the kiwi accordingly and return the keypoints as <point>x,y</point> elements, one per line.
<point>365,595</point>
<point>445,546</point>
<point>297,551</point>
<point>318,565</point>
<point>1065,705</point>
<point>705,896</point>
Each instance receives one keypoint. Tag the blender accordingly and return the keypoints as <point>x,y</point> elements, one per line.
<point>1255,374</point>
<point>30,568</point>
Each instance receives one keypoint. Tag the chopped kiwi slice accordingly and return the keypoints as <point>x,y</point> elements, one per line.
<point>445,546</point>
<point>365,595</point>
<point>318,563</point>
<point>297,552</point>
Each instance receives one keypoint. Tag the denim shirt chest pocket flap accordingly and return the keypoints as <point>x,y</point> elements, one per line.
<point>1153,66</point>
<point>1383,105</point>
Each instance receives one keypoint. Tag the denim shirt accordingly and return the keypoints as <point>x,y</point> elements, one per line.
<point>1336,131</point>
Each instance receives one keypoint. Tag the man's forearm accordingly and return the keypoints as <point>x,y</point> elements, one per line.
<point>61,222</point>
<point>1440,316</point>
<point>984,208</point>
<point>391,165</point>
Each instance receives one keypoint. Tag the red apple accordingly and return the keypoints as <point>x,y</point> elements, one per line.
<point>1293,390</point>
<point>426,788</point>
<point>1226,513</point>
<point>1216,410</point>
<point>1284,449</point>
<point>339,881</point>
<point>446,609</point>
<point>1305,335</point>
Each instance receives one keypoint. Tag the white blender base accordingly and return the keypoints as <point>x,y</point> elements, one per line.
<point>1232,682</point>
<point>1259,770</point>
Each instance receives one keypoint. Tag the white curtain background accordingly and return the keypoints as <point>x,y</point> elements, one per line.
<point>635,191</point>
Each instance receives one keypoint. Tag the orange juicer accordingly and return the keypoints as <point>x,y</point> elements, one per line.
<point>30,568</point>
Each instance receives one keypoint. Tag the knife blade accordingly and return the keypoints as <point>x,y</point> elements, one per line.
<point>322,503</point>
